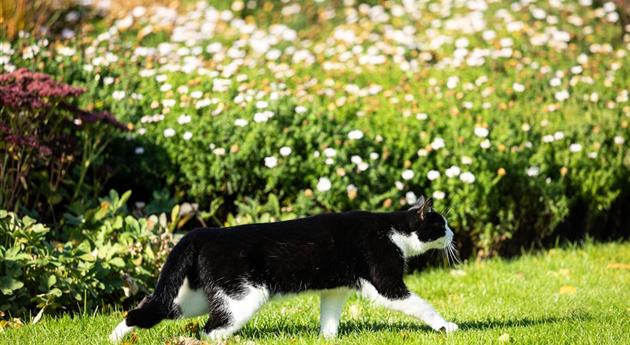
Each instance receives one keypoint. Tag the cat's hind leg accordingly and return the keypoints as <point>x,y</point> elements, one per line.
<point>229,313</point>
<point>331,303</point>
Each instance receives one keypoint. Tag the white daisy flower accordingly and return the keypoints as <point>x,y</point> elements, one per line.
<point>330,152</point>
<point>433,174</point>
<point>355,134</point>
<point>118,95</point>
<point>438,195</point>
<point>467,177</point>
<point>481,132</point>
<point>169,132</point>
<point>453,171</point>
<point>271,162</point>
<point>562,95</point>
<point>407,174</point>
<point>324,184</point>
<point>437,143</point>
<point>532,171</point>
<point>411,197</point>
<point>575,147</point>
<point>285,151</point>
<point>183,119</point>
<point>240,122</point>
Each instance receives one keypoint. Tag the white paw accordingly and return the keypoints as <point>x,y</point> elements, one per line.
<point>329,334</point>
<point>449,327</point>
<point>215,336</point>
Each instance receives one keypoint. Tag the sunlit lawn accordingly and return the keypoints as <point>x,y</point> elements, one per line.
<point>562,296</point>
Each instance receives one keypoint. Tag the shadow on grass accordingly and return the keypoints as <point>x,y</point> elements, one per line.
<point>358,326</point>
<point>522,322</point>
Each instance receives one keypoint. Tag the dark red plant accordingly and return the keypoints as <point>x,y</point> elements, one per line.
<point>40,134</point>
<point>23,88</point>
<point>32,90</point>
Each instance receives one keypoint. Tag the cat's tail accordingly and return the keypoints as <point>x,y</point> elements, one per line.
<point>159,306</point>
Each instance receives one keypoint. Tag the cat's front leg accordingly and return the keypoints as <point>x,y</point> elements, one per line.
<point>402,300</point>
<point>330,310</point>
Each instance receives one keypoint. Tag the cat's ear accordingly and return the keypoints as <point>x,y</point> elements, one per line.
<point>425,207</point>
<point>418,204</point>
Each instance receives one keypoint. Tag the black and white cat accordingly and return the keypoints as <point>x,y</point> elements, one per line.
<point>230,273</point>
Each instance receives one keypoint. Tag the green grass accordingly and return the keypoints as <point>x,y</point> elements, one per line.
<point>561,296</point>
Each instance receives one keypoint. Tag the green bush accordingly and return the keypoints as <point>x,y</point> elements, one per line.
<point>103,258</point>
<point>509,116</point>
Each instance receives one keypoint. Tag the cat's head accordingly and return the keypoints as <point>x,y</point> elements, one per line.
<point>427,230</point>
<point>432,228</point>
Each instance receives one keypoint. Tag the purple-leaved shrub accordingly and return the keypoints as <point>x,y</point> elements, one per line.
<point>44,137</point>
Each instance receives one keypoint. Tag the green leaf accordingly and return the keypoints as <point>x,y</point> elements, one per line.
<point>118,262</point>
<point>84,247</point>
<point>175,213</point>
<point>73,220</point>
<point>124,198</point>
<point>149,252</point>
<point>55,198</point>
<point>13,254</point>
<point>118,223</point>
<point>8,285</point>
<point>55,292</point>
<point>132,224</point>
<point>51,281</point>
<point>39,228</point>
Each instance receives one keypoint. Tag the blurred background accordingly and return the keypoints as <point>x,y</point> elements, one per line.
<point>124,124</point>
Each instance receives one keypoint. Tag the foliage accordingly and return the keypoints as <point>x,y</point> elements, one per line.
<point>43,137</point>
<point>507,114</point>
<point>103,257</point>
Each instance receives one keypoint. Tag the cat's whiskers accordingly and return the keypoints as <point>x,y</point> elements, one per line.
<point>452,250</point>
<point>446,257</point>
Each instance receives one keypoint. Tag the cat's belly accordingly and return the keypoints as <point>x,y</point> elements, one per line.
<point>191,302</point>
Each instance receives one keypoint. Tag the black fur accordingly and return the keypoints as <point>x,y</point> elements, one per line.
<point>315,253</point>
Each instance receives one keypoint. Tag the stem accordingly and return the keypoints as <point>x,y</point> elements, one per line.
<point>85,164</point>
<point>5,176</point>
<point>15,191</point>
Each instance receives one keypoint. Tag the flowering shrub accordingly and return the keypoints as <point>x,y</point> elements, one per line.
<point>104,257</point>
<point>509,115</point>
<point>42,137</point>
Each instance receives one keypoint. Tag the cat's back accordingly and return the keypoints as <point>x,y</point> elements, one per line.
<point>319,228</point>
<point>351,223</point>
